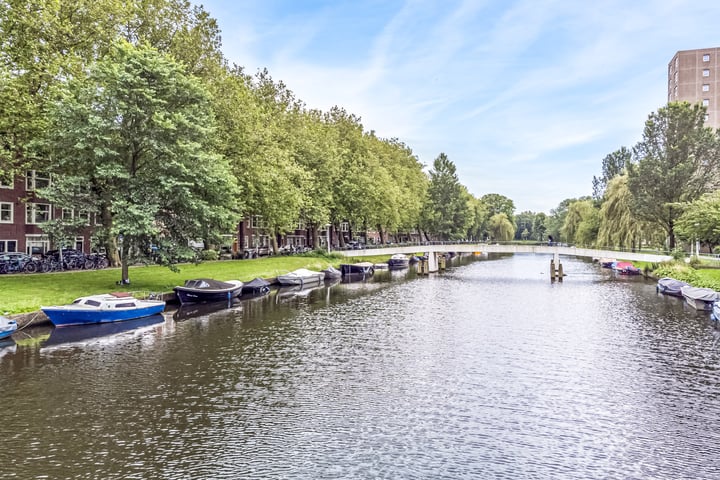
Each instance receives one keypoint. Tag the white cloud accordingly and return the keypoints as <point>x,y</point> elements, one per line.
<point>546,86</point>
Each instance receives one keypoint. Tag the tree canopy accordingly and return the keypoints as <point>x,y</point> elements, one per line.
<point>676,162</point>
<point>129,144</point>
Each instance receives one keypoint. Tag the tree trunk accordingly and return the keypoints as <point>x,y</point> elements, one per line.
<point>111,246</point>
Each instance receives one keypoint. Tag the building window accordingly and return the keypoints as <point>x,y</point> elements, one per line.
<point>6,212</point>
<point>36,213</point>
<point>706,102</point>
<point>706,57</point>
<point>706,72</point>
<point>707,117</point>
<point>257,221</point>
<point>35,180</point>
<point>706,87</point>
<point>6,182</point>
<point>301,225</point>
<point>36,244</point>
<point>67,214</point>
<point>344,227</point>
<point>7,246</point>
<point>85,216</point>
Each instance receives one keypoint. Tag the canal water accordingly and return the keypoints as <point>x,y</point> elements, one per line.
<point>488,370</point>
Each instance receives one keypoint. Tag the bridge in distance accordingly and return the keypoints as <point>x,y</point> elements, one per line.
<point>435,249</point>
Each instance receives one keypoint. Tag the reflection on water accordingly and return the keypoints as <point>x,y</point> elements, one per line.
<point>486,371</point>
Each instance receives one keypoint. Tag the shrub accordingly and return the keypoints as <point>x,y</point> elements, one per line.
<point>678,253</point>
<point>208,255</point>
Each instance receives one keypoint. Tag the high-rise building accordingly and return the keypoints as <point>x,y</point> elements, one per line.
<point>694,76</point>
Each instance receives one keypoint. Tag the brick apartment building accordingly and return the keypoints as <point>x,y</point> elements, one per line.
<point>694,76</point>
<point>22,212</point>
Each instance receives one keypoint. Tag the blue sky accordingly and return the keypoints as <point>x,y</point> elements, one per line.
<point>526,97</point>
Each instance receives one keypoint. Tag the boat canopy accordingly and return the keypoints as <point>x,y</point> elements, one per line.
<point>208,283</point>
<point>257,283</point>
<point>698,293</point>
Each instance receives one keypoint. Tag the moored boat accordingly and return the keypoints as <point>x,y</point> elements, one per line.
<point>626,268</point>
<point>110,307</point>
<point>700,298</point>
<point>670,286</point>
<point>7,327</point>
<point>716,311</point>
<point>359,270</point>
<point>607,262</point>
<point>256,287</point>
<point>207,290</point>
<point>301,276</point>
<point>332,273</point>
<point>399,260</point>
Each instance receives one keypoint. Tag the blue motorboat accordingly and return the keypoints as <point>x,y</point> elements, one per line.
<point>7,327</point>
<point>110,307</point>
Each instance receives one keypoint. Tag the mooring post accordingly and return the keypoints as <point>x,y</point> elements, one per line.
<point>552,268</point>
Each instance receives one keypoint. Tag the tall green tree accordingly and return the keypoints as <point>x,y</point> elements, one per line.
<point>675,163</point>
<point>497,203</point>
<point>130,144</point>
<point>448,214</point>
<point>612,165</point>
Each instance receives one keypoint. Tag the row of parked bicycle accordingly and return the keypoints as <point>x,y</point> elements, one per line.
<point>17,262</point>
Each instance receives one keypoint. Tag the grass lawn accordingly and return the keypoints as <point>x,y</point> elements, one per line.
<point>22,293</point>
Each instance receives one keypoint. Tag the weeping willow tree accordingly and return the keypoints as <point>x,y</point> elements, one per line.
<point>500,227</point>
<point>619,228</point>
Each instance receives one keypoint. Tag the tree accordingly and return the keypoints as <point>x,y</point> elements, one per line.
<point>129,144</point>
<point>497,203</point>
<point>701,220</point>
<point>447,210</point>
<point>676,162</point>
<point>619,227</point>
<point>539,228</point>
<point>524,223</point>
<point>581,223</point>
<point>500,228</point>
<point>612,166</point>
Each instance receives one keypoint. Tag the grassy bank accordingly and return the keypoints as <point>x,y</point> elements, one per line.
<point>26,293</point>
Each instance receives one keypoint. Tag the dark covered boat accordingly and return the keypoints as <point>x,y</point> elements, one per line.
<point>332,273</point>
<point>670,286</point>
<point>256,287</point>
<point>398,261</point>
<point>357,270</point>
<point>208,290</point>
